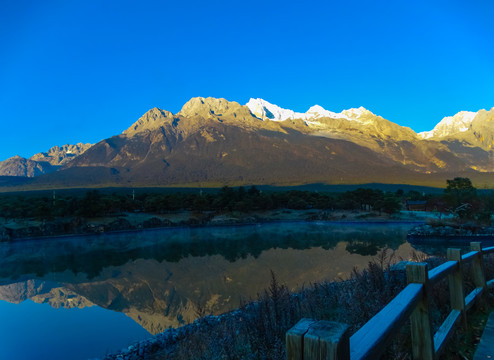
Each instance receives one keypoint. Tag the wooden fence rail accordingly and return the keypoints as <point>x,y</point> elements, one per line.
<point>325,340</point>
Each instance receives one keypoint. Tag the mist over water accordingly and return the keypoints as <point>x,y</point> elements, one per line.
<point>164,278</point>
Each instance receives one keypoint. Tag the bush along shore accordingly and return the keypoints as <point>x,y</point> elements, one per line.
<point>257,329</point>
<point>465,231</point>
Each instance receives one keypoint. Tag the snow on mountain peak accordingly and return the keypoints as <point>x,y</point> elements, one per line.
<point>317,111</point>
<point>267,111</point>
<point>449,125</point>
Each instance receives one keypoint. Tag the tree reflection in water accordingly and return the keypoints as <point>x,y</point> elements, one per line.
<point>160,277</point>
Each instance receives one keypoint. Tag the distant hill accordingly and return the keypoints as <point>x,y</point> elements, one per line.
<point>41,163</point>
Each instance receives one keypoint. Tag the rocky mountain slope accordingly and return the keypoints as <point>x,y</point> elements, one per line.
<point>212,142</point>
<point>58,156</point>
<point>19,166</point>
<point>469,128</point>
<point>450,125</point>
<point>41,163</point>
<point>42,292</point>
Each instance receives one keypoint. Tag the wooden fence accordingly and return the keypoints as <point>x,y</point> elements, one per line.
<point>311,339</point>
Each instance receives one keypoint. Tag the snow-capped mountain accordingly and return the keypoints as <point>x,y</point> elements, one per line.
<point>216,141</point>
<point>451,125</point>
<point>267,111</point>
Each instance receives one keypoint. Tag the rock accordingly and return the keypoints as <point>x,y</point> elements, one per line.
<point>5,234</point>
<point>152,223</point>
<point>119,224</point>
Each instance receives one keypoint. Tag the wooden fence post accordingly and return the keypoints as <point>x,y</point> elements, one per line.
<point>456,292</point>
<point>318,340</point>
<point>478,267</point>
<point>422,337</point>
<point>295,339</point>
<point>327,340</point>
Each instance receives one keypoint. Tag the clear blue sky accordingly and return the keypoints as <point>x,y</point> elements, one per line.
<point>81,71</point>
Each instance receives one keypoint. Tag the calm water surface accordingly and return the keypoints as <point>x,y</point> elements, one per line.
<point>79,298</point>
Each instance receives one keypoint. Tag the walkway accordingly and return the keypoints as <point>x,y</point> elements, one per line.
<point>485,350</point>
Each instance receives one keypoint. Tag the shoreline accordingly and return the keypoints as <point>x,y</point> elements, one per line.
<point>449,239</point>
<point>450,234</point>
<point>230,221</point>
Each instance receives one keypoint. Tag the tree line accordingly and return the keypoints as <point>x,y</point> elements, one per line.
<point>96,203</point>
<point>460,197</point>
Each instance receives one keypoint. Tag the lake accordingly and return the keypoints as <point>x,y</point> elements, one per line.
<point>82,297</point>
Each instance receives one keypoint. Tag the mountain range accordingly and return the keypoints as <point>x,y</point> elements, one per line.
<point>212,142</point>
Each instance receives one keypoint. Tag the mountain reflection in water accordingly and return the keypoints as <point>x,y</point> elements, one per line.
<point>161,278</point>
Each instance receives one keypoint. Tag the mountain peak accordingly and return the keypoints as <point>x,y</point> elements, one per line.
<point>356,113</point>
<point>151,120</point>
<point>317,111</point>
<point>458,123</point>
<point>209,106</point>
<point>217,109</point>
<point>60,155</point>
<point>264,110</point>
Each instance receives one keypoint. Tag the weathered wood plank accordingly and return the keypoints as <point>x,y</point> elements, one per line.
<point>440,272</point>
<point>469,256</point>
<point>472,297</point>
<point>417,273</point>
<point>488,250</point>
<point>295,339</point>
<point>327,340</point>
<point>422,337</point>
<point>444,333</point>
<point>478,266</point>
<point>455,280</point>
<point>485,349</point>
<point>490,284</point>
<point>370,341</point>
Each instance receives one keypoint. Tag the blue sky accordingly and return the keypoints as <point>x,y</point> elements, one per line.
<point>81,71</point>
